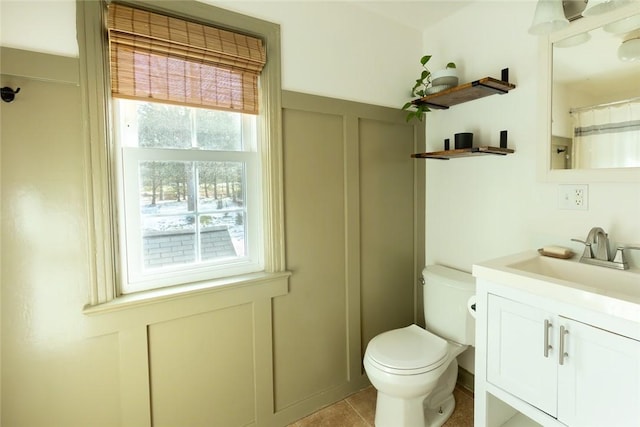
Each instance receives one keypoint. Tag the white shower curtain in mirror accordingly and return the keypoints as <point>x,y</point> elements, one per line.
<point>607,136</point>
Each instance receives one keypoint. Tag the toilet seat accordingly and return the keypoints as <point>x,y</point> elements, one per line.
<point>407,351</point>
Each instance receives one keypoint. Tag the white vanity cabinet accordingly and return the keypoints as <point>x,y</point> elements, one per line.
<point>564,369</point>
<point>515,359</point>
<point>599,382</point>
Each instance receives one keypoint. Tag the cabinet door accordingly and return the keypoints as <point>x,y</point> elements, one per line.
<point>599,380</point>
<point>516,360</point>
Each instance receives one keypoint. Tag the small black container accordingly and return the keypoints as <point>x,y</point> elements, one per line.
<point>463,140</point>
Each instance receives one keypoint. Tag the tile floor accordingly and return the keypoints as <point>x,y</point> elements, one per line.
<point>358,410</point>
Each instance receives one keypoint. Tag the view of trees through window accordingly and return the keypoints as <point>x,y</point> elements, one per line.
<point>191,210</point>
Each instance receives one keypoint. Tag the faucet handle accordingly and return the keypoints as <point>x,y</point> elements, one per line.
<point>588,251</point>
<point>620,257</point>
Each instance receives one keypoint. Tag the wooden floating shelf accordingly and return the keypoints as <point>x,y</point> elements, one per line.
<point>502,150</point>
<point>463,152</point>
<point>465,93</point>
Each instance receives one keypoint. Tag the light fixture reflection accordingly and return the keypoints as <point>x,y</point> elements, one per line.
<point>629,50</point>
<point>576,40</point>
<point>549,17</point>
<point>624,25</point>
<point>598,7</point>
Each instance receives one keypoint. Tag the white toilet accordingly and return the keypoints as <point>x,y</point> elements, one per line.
<point>415,370</point>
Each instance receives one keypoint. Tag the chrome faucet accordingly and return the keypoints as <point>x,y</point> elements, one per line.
<point>600,239</point>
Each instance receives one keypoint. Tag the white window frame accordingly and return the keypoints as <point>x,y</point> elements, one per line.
<point>104,257</point>
<point>133,278</point>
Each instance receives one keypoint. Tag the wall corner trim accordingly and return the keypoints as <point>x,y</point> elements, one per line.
<point>39,66</point>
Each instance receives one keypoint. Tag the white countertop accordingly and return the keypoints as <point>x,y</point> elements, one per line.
<point>605,290</point>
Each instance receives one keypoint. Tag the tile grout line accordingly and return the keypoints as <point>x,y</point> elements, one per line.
<point>357,412</point>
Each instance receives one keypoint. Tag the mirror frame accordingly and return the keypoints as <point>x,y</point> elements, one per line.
<point>544,103</point>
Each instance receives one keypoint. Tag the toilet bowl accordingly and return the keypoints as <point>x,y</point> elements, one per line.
<point>413,369</point>
<point>404,379</point>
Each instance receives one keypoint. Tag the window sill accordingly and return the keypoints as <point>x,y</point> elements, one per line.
<point>252,286</point>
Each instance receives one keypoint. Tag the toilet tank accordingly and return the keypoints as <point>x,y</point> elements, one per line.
<point>446,293</point>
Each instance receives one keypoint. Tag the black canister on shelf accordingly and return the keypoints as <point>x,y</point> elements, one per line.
<point>463,140</point>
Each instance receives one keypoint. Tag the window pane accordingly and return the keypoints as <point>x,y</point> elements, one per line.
<point>221,192</point>
<point>180,227</point>
<point>221,186</point>
<point>163,125</point>
<point>222,235</point>
<point>168,241</point>
<point>218,130</point>
<point>157,125</point>
<point>166,187</point>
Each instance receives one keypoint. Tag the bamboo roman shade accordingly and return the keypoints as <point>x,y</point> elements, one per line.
<point>161,58</point>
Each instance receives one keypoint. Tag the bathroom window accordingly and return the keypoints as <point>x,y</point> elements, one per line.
<point>189,193</point>
<point>184,122</point>
<point>185,98</point>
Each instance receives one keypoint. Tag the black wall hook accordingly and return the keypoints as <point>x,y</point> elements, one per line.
<point>7,94</point>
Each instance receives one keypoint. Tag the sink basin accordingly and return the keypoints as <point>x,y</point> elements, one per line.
<point>605,290</point>
<point>602,280</point>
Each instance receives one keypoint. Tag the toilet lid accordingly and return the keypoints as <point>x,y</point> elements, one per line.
<point>411,349</point>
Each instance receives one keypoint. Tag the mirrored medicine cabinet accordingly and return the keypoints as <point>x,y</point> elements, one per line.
<point>591,100</point>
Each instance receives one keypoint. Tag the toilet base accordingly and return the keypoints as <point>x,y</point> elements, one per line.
<point>430,410</point>
<point>437,417</point>
<point>440,403</point>
<point>394,412</point>
<point>399,412</point>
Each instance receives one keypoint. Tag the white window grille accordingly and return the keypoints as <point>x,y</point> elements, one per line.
<point>189,194</point>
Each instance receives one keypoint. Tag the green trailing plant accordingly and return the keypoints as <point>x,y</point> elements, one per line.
<point>417,110</point>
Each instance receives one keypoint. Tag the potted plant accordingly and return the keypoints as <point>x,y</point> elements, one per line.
<point>423,86</point>
<point>444,79</point>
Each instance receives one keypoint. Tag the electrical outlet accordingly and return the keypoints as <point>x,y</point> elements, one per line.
<point>573,197</point>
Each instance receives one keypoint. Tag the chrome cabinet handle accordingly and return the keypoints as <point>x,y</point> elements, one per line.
<point>547,325</point>
<point>562,354</point>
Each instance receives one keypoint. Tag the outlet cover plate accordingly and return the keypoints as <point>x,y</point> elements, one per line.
<point>573,197</point>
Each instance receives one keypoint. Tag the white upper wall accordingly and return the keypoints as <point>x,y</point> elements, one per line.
<point>340,50</point>
<point>333,49</point>
<point>480,208</point>
<point>47,26</point>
